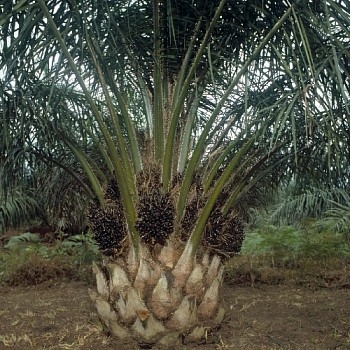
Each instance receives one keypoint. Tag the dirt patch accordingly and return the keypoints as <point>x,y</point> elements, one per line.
<point>284,317</point>
<point>57,315</point>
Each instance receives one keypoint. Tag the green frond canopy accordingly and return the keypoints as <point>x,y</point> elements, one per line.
<point>181,87</point>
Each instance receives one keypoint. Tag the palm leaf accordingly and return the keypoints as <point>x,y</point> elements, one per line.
<point>279,76</point>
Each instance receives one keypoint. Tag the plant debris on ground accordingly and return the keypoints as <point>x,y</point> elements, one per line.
<point>272,302</point>
<point>60,315</point>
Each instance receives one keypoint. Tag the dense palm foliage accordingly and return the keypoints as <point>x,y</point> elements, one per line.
<point>173,117</point>
<point>290,207</point>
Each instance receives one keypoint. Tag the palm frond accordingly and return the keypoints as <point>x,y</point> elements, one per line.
<point>16,209</point>
<point>178,88</point>
<point>313,203</point>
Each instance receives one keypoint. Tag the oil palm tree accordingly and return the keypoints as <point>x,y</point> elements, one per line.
<point>196,109</point>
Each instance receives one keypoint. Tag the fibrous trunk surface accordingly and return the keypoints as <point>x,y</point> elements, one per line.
<point>158,305</point>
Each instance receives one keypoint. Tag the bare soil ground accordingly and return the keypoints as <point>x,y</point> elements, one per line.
<point>59,315</point>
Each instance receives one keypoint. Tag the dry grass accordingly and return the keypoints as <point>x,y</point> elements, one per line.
<point>250,270</point>
<point>32,269</point>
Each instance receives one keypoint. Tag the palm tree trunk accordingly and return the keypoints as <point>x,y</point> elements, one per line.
<point>171,298</point>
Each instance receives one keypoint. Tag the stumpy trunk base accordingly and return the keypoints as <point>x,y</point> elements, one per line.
<point>164,303</point>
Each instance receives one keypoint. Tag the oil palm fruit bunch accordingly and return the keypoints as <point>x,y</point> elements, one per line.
<point>224,235</point>
<point>155,210</point>
<point>155,220</point>
<point>108,223</point>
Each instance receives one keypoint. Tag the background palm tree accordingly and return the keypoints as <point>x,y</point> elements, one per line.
<point>196,109</point>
